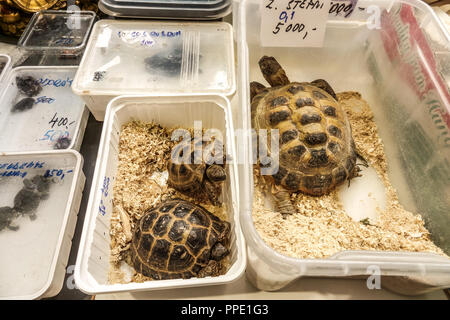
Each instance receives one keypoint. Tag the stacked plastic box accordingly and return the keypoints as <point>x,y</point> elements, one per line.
<point>169,9</point>
<point>41,177</point>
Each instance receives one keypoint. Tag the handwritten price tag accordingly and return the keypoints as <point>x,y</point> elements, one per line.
<point>293,23</point>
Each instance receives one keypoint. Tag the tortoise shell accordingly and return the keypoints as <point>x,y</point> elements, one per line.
<point>178,239</point>
<point>190,174</point>
<point>316,148</point>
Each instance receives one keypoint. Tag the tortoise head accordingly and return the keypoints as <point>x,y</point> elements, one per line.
<point>273,72</point>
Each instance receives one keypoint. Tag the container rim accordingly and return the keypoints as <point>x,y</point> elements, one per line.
<point>76,175</point>
<point>7,66</point>
<point>88,284</point>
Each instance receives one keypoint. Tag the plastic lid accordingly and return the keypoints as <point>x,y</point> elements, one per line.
<point>5,64</point>
<point>44,114</point>
<point>61,32</point>
<point>181,4</point>
<point>35,195</point>
<point>141,57</point>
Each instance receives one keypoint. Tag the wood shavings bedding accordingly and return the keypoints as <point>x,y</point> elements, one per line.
<point>140,184</point>
<point>322,228</point>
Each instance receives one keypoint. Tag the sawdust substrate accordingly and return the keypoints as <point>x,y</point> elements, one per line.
<point>322,228</point>
<point>144,151</point>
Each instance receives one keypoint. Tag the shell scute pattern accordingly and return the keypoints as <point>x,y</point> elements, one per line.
<point>316,148</point>
<point>176,240</point>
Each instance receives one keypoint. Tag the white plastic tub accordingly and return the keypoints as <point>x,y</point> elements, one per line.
<point>34,257</point>
<point>93,260</point>
<point>411,125</point>
<point>200,60</point>
<point>57,112</point>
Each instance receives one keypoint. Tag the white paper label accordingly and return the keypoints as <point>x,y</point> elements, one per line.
<point>293,23</point>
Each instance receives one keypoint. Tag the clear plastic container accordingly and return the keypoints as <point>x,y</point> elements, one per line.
<point>118,8</point>
<point>141,57</point>
<point>93,260</point>
<point>36,243</point>
<point>54,118</point>
<point>410,117</point>
<point>57,32</point>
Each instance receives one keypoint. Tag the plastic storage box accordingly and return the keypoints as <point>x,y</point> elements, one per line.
<point>56,32</point>
<point>34,257</point>
<point>93,260</point>
<point>402,70</point>
<point>140,57</point>
<point>188,10</point>
<point>57,118</point>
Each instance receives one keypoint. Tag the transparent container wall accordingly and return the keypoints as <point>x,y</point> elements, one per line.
<point>49,119</point>
<point>57,31</point>
<point>400,64</point>
<point>133,57</point>
<point>28,238</point>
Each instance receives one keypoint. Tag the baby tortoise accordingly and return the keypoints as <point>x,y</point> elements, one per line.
<point>7,215</point>
<point>316,148</point>
<point>28,85</point>
<point>62,143</point>
<point>192,175</point>
<point>178,239</point>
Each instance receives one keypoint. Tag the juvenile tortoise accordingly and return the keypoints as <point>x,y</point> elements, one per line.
<point>192,175</point>
<point>316,148</point>
<point>178,239</point>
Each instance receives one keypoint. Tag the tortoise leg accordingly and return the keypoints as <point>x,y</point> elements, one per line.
<point>13,227</point>
<point>255,89</point>
<point>211,270</point>
<point>322,84</point>
<point>273,72</point>
<point>282,198</point>
<point>212,192</point>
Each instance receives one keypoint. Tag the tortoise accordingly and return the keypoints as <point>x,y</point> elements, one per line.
<point>193,176</point>
<point>316,147</point>
<point>28,86</point>
<point>178,239</point>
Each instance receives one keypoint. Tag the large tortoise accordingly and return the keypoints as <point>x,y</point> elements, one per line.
<point>178,239</point>
<point>316,148</point>
<point>192,175</point>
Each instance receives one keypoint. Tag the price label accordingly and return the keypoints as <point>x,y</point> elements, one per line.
<point>293,23</point>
